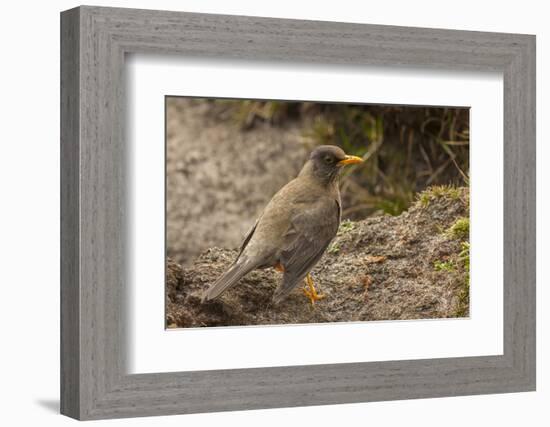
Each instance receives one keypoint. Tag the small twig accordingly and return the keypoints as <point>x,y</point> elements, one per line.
<point>465,177</point>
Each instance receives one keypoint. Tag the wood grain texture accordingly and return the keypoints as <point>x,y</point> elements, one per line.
<point>70,221</point>
<point>94,267</point>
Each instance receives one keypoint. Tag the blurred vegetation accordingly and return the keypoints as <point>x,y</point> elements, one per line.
<point>406,148</point>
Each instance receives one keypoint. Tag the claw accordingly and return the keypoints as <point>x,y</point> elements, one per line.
<point>310,291</point>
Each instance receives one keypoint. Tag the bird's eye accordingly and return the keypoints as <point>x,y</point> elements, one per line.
<point>328,159</point>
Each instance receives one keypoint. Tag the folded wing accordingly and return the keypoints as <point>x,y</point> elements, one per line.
<point>306,240</point>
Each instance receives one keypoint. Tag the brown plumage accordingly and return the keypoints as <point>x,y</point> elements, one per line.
<point>296,226</point>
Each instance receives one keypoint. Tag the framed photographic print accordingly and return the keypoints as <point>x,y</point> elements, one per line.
<point>261,213</point>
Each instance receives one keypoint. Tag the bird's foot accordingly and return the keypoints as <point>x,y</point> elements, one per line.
<point>310,291</point>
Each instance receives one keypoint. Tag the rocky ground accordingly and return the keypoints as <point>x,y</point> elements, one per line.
<point>412,266</point>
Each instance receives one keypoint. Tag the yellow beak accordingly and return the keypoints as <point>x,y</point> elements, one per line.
<point>350,160</point>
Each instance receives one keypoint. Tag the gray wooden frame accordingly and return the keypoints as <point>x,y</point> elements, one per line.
<point>94,41</point>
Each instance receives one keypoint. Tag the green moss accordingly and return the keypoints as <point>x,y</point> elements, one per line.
<point>464,294</point>
<point>464,256</point>
<point>461,267</point>
<point>346,226</point>
<point>460,229</point>
<point>438,191</point>
<point>424,199</point>
<point>333,249</point>
<point>444,266</point>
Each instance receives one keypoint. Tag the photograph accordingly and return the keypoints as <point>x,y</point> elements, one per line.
<point>289,212</point>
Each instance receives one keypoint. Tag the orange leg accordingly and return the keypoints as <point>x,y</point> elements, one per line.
<point>310,291</point>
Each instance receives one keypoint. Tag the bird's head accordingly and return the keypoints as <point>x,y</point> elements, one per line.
<point>326,161</point>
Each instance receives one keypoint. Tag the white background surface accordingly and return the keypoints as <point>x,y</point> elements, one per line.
<point>29,224</point>
<point>152,349</point>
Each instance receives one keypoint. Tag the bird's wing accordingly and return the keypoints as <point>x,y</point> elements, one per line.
<point>248,237</point>
<point>306,240</point>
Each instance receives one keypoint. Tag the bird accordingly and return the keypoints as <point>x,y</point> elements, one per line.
<point>294,229</point>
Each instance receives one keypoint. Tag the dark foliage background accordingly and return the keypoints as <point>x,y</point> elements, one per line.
<point>407,148</point>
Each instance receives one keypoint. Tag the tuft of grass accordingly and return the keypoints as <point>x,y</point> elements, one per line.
<point>464,294</point>
<point>424,199</point>
<point>436,192</point>
<point>464,256</point>
<point>460,229</point>
<point>444,266</point>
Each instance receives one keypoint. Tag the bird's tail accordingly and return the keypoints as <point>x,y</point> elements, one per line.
<point>235,273</point>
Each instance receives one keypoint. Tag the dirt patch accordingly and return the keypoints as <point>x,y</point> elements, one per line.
<point>412,266</point>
